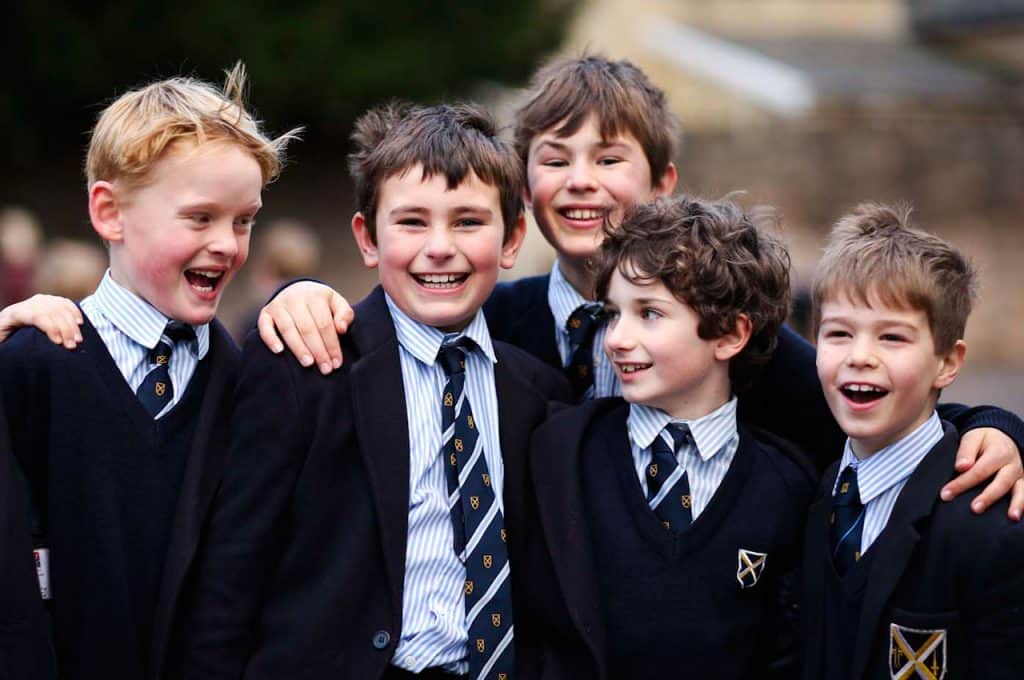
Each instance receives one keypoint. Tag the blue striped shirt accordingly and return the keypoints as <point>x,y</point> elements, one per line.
<point>882,475</point>
<point>563,300</point>
<point>130,327</point>
<point>716,442</point>
<point>434,631</point>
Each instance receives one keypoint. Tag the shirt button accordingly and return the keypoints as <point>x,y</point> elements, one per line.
<point>381,639</point>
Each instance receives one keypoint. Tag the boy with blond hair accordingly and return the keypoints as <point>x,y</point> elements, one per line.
<point>897,584</point>
<point>361,529</point>
<point>595,137</point>
<point>124,438</point>
<point>664,531</point>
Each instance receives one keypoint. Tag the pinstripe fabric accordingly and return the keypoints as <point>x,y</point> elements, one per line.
<point>563,300</point>
<point>714,434</point>
<point>433,612</point>
<point>130,327</point>
<point>882,475</point>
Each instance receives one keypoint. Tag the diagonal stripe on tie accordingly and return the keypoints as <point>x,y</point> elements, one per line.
<point>668,487</point>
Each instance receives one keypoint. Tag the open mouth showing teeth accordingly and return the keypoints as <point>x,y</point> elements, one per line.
<point>632,368</point>
<point>440,281</point>
<point>203,279</point>
<point>861,393</point>
<point>583,213</point>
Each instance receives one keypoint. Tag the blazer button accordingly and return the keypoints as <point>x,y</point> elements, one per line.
<point>381,639</point>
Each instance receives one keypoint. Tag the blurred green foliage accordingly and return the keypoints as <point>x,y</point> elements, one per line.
<point>311,63</point>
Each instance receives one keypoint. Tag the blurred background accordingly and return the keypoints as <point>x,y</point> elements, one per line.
<point>811,106</point>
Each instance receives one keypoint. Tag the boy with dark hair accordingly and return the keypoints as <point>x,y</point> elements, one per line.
<point>360,532</point>
<point>123,439</point>
<point>897,584</point>
<point>596,136</point>
<point>668,530</point>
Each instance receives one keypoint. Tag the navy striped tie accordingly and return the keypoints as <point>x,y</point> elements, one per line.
<point>668,488</point>
<point>847,521</point>
<point>480,538</point>
<point>156,390</point>
<point>582,326</point>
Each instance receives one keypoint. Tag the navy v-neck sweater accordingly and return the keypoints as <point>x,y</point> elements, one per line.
<point>106,479</point>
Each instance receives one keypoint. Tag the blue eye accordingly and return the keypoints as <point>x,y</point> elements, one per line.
<point>649,314</point>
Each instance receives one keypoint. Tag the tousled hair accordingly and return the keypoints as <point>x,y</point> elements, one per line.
<point>874,255</point>
<point>712,257</point>
<point>452,140</point>
<point>138,128</point>
<point>565,92</point>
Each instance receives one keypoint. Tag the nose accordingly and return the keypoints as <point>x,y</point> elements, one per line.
<point>440,243</point>
<point>580,177</point>
<point>618,338</point>
<point>224,240</point>
<point>861,352</point>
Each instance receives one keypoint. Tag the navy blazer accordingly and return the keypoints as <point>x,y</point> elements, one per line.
<point>29,363</point>
<point>303,571</point>
<point>25,650</point>
<point>560,624</point>
<point>937,569</point>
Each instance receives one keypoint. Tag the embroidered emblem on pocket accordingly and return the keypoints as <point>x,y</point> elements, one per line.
<point>751,566</point>
<point>917,653</point>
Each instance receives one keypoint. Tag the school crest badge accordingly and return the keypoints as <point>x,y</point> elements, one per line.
<point>917,653</point>
<point>750,567</point>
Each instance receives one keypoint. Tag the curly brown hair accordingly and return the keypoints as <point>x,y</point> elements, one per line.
<point>713,257</point>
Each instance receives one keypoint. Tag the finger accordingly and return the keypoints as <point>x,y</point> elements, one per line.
<point>311,338</point>
<point>978,473</point>
<point>997,488</point>
<point>268,334</point>
<point>70,330</point>
<point>1016,510</point>
<point>970,449</point>
<point>321,313</point>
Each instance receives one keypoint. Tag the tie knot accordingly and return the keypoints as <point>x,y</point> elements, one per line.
<point>174,332</point>
<point>452,354</point>
<point>679,432</point>
<point>583,321</point>
<point>847,491</point>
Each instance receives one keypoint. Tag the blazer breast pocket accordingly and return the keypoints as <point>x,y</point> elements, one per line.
<point>923,641</point>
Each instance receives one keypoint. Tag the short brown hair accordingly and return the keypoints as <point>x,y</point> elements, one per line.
<point>135,131</point>
<point>712,257</point>
<point>451,139</point>
<point>566,92</point>
<point>874,253</point>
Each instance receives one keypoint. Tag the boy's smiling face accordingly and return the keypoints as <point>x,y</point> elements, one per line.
<point>438,249</point>
<point>577,181</point>
<point>659,358</point>
<point>879,369</point>
<point>178,240</point>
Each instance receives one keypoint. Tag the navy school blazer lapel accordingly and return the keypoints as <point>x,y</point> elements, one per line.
<point>816,551</point>
<point>203,471</point>
<point>900,537</point>
<point>533,326</point>
<point>555,473</point>
<point>378,401</point>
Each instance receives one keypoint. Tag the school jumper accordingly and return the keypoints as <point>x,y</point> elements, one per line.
<point>121,497</point>
<point>613,594</point>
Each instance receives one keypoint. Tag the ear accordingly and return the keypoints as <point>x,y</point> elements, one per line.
<point>510,249</point>
<point>732,343</point>
<point>365,241</point>
<point>105,211</point>
<point>666,184</point>
<point>950,365</point>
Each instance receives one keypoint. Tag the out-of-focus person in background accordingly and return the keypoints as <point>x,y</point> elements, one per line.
<point>288,249</point>
<point>20,246</point>
<point>70,268</point>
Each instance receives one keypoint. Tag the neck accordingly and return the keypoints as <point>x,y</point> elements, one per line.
<point>579,276</point>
